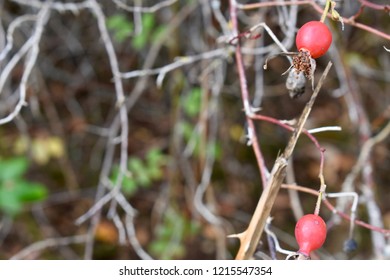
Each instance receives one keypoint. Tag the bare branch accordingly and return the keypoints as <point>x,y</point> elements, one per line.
<point>31,47</point>
<point>10,32</point>
<point>139,9</point>
<point>48,243</point>
<point>61,7</point>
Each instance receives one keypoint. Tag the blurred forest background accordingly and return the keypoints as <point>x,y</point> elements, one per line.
<point>123,134</point>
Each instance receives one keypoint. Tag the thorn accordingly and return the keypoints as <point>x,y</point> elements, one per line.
<point>269,220</point>
<point>237,235</point>
<point>256,109</point>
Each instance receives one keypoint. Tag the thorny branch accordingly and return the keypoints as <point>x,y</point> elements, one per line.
<point>245,98</point>
<point>250,238</point>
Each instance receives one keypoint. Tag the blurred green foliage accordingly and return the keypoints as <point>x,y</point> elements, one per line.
<point>15,191</point>
<point>123,28</point>
<point>170,235</point>
<point>140,40</point>
<point>192,102</point>
<point>142,173</point>
<point>192,106</point>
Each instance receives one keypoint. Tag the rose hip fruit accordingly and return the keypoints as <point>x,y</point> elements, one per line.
<point>314,37</point>
<point>310,233</point>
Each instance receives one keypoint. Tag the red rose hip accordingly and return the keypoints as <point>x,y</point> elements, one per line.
<point>315,37</point>
<point>310,233</point>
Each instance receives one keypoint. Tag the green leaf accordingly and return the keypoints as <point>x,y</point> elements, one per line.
<point>115,21</point>
<point>186,129</point>
<point>155,172</point>
<point>14,190</point>
<point>192,102</point>
<point>164,231</point>
<point>143,179</point>
<point>148,22</point>
<point>174,223</point>
<point>9,202</point>
<point>121,27</point>
<point>137,167</point>
<point>155,160</point>
<point>165,249</point>
<point>13,168</point>
<point>193,228</point>
<point>155,157</point>
<point>122,34</point>
<point>143,173</point>
<point>30,192</point>
<point>158,247</point>
<point>215,149</point>
<point>129,185</point>
<point>141,39</point>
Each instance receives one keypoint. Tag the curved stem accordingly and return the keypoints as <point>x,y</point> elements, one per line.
<point>325,12</point>
<point>333,209</point>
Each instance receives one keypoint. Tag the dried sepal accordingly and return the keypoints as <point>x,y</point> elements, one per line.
<point>335,14</point>
<point>302,63</point>
<point>303,67</point>
<point>295,83</point>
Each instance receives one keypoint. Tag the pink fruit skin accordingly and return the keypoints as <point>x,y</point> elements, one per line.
<point>310,233</point>
<point>315,37</point>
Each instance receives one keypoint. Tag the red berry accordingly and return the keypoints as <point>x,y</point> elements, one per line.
<point>310,233</point>
<point>315,37</point>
